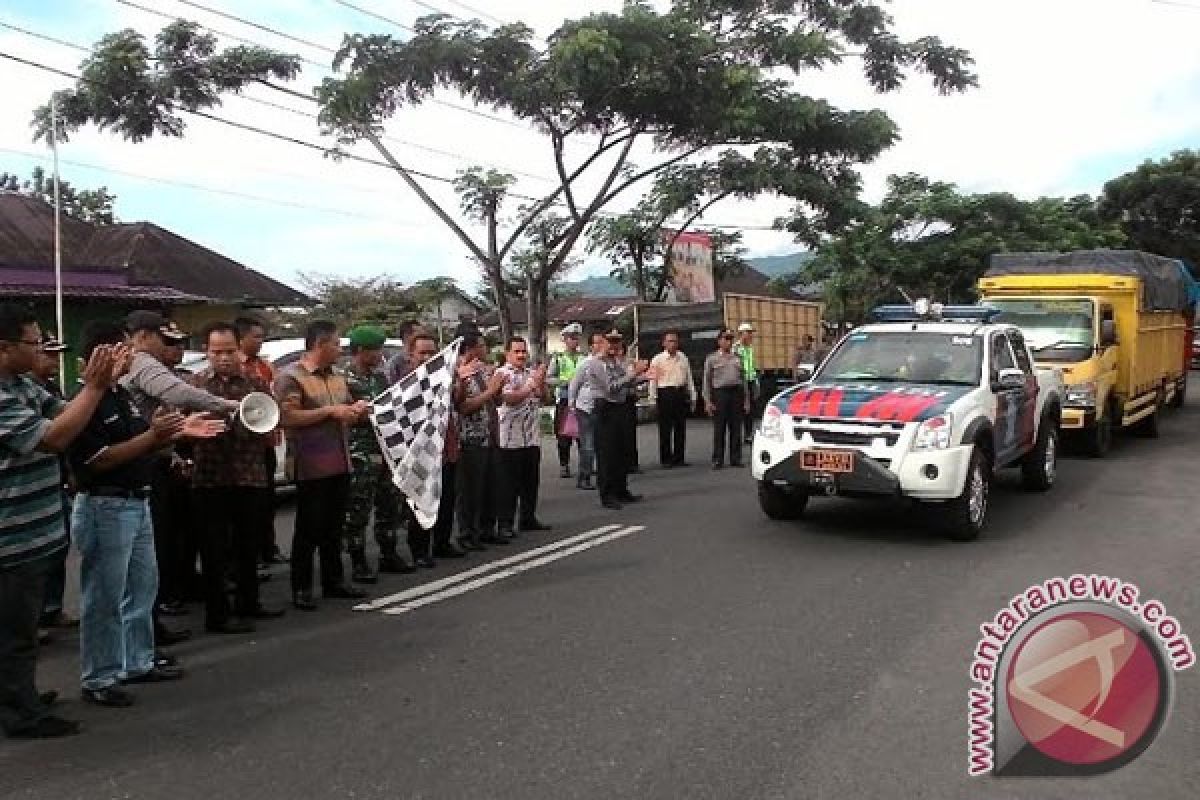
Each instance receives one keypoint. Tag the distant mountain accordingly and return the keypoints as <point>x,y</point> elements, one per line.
<point>604,286</point>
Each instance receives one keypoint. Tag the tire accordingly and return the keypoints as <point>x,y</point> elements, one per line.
<point>1098,439</point>
<point>1148,427</point>
<point>1180,394</point>
<point>1039,468</point>
<point>779,504</point>
<point>966,515</point>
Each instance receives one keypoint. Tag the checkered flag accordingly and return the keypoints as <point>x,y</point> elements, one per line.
<point>410,420</point>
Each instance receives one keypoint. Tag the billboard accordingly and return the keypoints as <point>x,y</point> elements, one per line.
<point>692,269</point>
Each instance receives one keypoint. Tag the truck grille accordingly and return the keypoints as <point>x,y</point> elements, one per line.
<point>864,433</point>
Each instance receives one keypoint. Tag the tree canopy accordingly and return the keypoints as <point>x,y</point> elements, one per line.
<point>89,205</point>
<point>926,238</point>
<point>706,83</point>
<point>1157,205</point>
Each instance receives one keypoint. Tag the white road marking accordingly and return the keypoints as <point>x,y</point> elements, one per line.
<point>517,569</point>
<point>459,577</point>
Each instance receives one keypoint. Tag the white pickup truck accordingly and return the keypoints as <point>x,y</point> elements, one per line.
<point>927,404</point>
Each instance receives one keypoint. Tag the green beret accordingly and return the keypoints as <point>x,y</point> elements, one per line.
<point>367,337</point>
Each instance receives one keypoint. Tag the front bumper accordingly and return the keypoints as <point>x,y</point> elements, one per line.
<point>922,475</point>
<point>1078,418</point>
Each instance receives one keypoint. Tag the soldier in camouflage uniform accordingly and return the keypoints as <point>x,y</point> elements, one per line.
<point>370,480</point>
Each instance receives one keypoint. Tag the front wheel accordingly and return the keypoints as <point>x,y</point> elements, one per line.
<point>1039,468</point>
<point>1148,427</point>
<point>780,504</point>
<point>967,514</point>
<point>1100,436</point>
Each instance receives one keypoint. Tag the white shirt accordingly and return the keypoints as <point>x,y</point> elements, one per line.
<point>519,423</point>
<point>669,371</point>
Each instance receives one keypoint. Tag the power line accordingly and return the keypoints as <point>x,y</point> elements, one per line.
<point>1176,4</point>
<point>209,189</point>
<point>325,150</point>
<point>258,26</point>
<point>375,15</point>
<point>297,112</point>
<point>325,67</point>
<point>466,8</point>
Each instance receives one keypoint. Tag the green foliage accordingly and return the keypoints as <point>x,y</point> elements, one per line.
<point>88,205</point>
<point>138,93</point>
<point>926,238</point>
<point>1158,206</point>
<point>352,301</point>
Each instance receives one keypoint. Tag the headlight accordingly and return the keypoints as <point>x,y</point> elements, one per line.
<point>1082,394</point>
<point>772,424</point>
<point>934,433</point>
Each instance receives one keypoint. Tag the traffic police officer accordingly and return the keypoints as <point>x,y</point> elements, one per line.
<point>744,350</point>
<point>370,480</point>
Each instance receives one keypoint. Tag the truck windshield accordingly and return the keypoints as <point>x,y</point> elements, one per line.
<point>1057,330</point>
<point>906,357</point>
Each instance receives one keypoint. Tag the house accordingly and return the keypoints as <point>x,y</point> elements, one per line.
<point>449,310</point>
<point>109,270</point>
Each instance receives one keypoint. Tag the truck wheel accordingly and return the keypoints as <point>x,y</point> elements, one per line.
<point>1099,438</point>
<point>967,514</point>
<point>779,504</point>
<point>1039,468</point>
<point>1148,428</point>
<point>1180,394</point>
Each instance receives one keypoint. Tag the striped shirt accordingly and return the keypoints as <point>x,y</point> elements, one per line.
<point>31,507</point>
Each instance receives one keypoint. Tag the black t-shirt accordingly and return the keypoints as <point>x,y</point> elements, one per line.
<point>115,420</point>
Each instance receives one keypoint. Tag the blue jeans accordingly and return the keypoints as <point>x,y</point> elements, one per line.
<point>587,444</point>
<point>115,537</point>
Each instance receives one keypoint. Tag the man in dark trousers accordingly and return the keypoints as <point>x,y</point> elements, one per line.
<point>475,395</point>
<point>674,391</point>
<point>726,399</point>
<point>317,409</point>
<point>607,382</point>
<point>252,332</point>
<point>520,454</point>
<point>228,482</point>
<point>34,426</point>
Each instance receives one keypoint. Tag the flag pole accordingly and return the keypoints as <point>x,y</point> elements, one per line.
<point>58,290</point>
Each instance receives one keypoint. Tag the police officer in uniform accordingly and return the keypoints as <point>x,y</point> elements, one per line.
<point>371,484</point>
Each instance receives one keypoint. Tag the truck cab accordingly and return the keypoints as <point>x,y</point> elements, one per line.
<point>925,403</point>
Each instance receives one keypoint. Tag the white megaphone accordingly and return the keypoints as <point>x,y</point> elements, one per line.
<point>259,412</point>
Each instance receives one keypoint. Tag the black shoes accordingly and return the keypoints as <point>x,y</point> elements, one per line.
<point>629,498</point>
<point>233,625</point>
<point>717,465</point>
<point>165,637</point>
<point>262,612</point>
<point>471,545</point>
<point>361,573</point>
<point>611,503</point>
<point>449,550</point>
<point>157,674</point>
<point>586,485</point>
<point>395,565</point>
<point>112,697</point>
<point>535,525</point>
<point>343,592</point>
<point>564,472</point>
<point>425,562</point>
<point>736,465</point>
<point>172,609</point>
<point>49,727</point>
<point>303,601</point>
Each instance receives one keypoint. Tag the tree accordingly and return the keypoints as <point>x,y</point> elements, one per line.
<point>88,205</point>
<point>697,82</point>
<point>351,301</point>
<point>430,294</point>
<point>1158,206</point>
<point>926,238</point>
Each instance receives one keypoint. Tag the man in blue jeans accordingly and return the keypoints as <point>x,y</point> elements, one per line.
<point>113,464</point>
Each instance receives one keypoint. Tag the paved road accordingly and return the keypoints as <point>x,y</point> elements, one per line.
<point>712,654</point>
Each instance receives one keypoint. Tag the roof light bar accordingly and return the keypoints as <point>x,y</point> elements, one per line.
<point>923,311</point>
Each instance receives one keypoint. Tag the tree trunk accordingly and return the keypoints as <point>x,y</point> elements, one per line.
<point>494,272</point>
<point>639,275</point>
<point>539,312</point>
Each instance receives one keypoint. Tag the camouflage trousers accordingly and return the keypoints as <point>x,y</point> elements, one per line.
<point>371,488</point>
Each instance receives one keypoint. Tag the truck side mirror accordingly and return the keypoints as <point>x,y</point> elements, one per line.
<point>1009,379</point>
<point>1108,332</point>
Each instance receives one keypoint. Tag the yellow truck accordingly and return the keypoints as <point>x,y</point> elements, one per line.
<point>1117,322</point>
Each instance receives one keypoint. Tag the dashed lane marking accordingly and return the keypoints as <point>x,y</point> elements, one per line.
<point>516,569</point>
<point>459,577</point>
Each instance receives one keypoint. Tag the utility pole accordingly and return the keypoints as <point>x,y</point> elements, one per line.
<point>58,288</point>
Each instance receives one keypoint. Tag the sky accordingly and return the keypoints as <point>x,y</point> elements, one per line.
<point>1072,93</point>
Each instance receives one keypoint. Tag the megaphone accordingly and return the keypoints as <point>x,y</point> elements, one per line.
<point>259,412</point>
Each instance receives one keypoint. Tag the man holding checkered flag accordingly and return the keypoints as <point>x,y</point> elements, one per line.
<point>415,424</point>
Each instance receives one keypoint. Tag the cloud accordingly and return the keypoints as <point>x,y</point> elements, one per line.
<point>1070,90</point>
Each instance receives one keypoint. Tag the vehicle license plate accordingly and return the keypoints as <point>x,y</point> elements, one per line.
<point>827,460</point>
